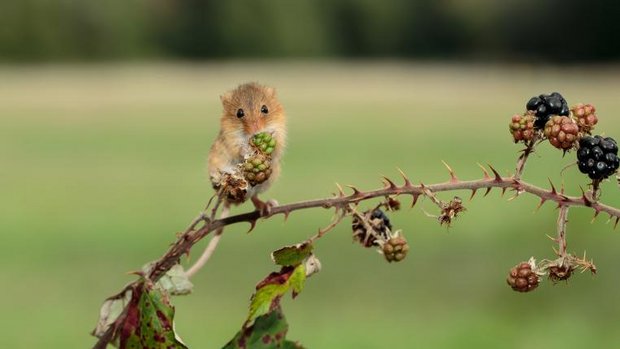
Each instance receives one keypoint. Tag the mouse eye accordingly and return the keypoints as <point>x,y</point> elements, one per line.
<point>264,109</point>
<point>240,113</point>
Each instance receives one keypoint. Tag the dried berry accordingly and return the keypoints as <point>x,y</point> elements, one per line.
<point>562,132</point>
<point>232,188</point>
<point>393,204</point>
<point>546,105</point>
<point>371,228</point>
<point>395,249</point>
<point>585,116</point>
<point>450,210</point>
<point>560,272</point>
<point>522,127</point>
<point>522,278</point>
<point>598,157</point>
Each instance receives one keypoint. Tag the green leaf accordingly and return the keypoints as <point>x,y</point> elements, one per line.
<point>268,332</point>
<point>273,287</point>
<point>292,255</point>
<point>149,321</point>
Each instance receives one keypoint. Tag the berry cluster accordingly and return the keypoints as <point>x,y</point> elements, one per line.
<point>598,157</point>
<point>257,167</point>
<point>373,228</point>
<point>522,278</point>
<point>546,105</point>
<point>549,117</point>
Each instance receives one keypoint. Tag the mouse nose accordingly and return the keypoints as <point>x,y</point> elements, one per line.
<point>254,127</point>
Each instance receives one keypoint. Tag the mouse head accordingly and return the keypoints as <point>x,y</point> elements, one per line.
<point>252,108</point>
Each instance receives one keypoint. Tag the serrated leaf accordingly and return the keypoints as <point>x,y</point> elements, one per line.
<point>268,332</point>
<point>292,255</point>
<point>273,287</point>
<point>149,321</point>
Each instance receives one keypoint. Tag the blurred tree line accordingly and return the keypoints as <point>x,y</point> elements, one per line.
<point>552,30</point>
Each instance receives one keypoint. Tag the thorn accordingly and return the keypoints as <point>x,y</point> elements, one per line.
<point>252,225</point>
<point>503,191</point>
<point>405,178</point>
<point>340,191</point>
<point>390,184</point>
<point>286,214</point>
<point>415,199</point>
<point>139,273</point>
<point>488,191</point>
<point>498,178</point>
<point>553,191</point>
<point>616,223</point>
<point>596,212</point>
<point>356,192</point>
<point>485,172</point>
<point>473,193</point>
<point>542,201</point>
<point>517,193</point>
<point>584,197</point>
<point>453,178</point>
<point>552,238</point>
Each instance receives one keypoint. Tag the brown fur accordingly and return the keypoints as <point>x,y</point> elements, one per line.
<point>231,144</point>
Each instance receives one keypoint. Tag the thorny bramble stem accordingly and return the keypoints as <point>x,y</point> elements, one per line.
<point>191,236</point>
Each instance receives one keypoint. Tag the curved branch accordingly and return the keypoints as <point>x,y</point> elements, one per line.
<point>191,236</point>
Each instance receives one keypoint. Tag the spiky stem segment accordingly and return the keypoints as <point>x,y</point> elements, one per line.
<point>193,234</point>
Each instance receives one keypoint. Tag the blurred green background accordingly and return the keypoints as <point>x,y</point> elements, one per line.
<point>108,110</point>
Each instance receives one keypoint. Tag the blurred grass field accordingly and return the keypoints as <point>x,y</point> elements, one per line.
<point>103,164</point>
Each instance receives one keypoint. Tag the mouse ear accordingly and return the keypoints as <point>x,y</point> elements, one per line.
<point>270,91</point>
<point>226,98</point>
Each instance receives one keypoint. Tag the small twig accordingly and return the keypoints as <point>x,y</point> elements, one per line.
<point>332,225</point>
<point>429,194</point>
<point>561,238</point>
<point>215,240</point>
<point>529,148</point>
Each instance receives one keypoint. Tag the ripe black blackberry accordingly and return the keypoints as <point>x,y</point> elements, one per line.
<point>379,224</point>
<point>546,105</point>
<point>598,157</point>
